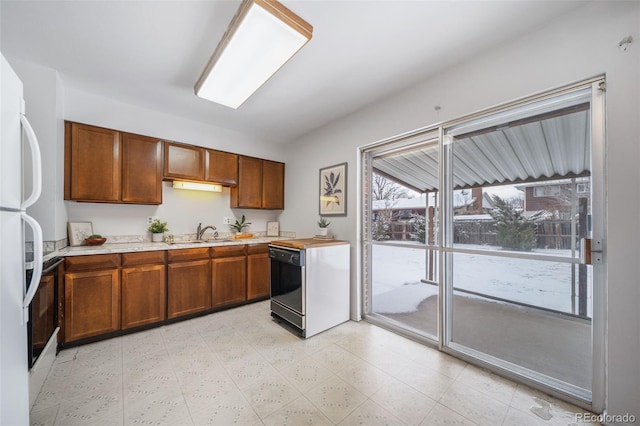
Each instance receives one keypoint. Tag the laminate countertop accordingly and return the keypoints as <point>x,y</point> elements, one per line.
<point>149,246</point>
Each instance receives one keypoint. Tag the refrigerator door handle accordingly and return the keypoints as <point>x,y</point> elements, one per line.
<point>37,265</point>
<point>36,161</point>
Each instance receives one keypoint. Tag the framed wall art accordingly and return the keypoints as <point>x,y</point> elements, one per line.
<point>78,231</point>
<point>333,190</point>
<point>273,229</point>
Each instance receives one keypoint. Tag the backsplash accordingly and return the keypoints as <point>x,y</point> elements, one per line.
<point>145,238</point>
<point>51,246</point>
<point>47,246</point>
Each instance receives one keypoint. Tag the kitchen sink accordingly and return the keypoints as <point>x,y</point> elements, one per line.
<point>222,240</point>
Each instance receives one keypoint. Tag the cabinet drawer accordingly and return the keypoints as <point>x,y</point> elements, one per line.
<point>228,251</point>
<point>91,262</point>
<point>143,258</point>
<point>257,248</point>
<point>187,254</point>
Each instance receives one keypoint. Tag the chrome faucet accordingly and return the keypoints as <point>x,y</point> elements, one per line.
<point>200,231</point>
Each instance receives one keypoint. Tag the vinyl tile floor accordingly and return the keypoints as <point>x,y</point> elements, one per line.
<point>239,367</point>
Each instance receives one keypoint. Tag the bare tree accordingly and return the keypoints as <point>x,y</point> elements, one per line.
<point>385,189</point>
<point>462,199</point>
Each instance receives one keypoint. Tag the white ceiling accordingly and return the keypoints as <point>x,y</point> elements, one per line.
<point>150,53</point>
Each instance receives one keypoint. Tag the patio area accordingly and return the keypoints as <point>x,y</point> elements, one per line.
<point>545,336</point>
<point>557,345</point>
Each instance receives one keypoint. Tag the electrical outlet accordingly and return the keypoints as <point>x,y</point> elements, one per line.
<point>150,219</point>
<point>226,220</point>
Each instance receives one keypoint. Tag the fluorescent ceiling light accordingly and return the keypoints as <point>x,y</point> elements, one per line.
<point>210,187</point>
<point>261,38</point>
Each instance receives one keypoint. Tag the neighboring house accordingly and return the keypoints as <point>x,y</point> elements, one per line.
<point>464,202</point>
<point>555,196</point>
<point>467,204</point>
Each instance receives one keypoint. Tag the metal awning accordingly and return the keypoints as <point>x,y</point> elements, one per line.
<point>551,145</point>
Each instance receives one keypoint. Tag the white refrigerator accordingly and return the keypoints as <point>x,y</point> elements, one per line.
<point>14,297</point>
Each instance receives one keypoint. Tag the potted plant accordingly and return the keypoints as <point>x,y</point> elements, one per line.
<point>239,226</point>
<point>324,226</point>
<point>157,230</point>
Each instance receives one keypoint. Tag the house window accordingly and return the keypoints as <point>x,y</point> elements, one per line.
<point>583,188</point>
<point>547,191</point>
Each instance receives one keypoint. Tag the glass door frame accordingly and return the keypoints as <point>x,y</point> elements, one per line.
<point>595,401</point>
<point>425,137</point>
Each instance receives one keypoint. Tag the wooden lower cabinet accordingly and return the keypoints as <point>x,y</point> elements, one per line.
<point>258,271</point>
<point>92,303</point>
<point>101,294</point>
<point>228,280</point>
<point>143,295</point>
<point>188,287</point>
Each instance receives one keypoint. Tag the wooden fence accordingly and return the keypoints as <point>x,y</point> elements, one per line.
<point>554,234</point>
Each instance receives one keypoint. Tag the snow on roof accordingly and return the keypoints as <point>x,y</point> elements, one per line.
<point>553,182</point>
<point>402,203</point>
<point>472,217</point>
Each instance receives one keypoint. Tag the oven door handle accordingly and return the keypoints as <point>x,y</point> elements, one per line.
<point>37,265</point>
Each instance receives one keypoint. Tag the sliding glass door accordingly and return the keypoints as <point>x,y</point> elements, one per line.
<point>484,236</point>
<point>401,234</point>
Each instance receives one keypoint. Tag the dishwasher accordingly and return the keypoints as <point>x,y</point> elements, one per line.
<point>310,284</point>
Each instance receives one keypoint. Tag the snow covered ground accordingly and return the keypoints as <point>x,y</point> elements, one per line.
<point>397,274</point>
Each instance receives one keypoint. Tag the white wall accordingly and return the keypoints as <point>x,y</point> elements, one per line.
<point>183,210</point>
<point>572,48</point>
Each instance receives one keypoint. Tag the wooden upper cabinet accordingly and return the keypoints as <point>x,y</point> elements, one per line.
<point>141,169</point>
<point>221,167</point>
<point>108,166</point>
<point>248,193</point>
<point>92,163</point>
<point>272,185</point>
<point>183,161</point>
<point>260,184</point>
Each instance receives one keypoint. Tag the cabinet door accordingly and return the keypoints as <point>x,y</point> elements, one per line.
<point>183,161</point>
<point>258,276</point>
<point>141,169</point>
<point>188,287</point>
<point>221,167</point>
<point>248,193</point>
<point>143,295</point>
<point>92,163</point>
<point>228,280</point>
<point>92,303</point>
<point>272,185</point>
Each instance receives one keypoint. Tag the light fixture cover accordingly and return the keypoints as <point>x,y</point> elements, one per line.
<point>261,38</point>
<point>197,186</point>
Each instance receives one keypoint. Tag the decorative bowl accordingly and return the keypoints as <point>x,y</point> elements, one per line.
<point>94,241</point>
